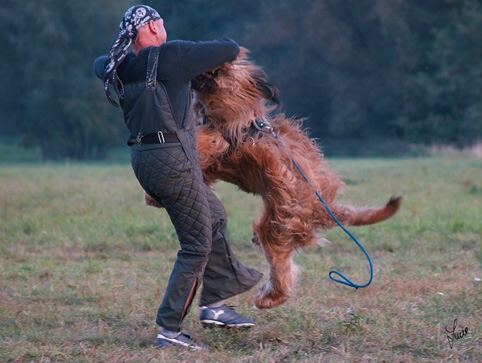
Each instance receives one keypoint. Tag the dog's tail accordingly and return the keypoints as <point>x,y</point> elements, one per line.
<point>368,215</point>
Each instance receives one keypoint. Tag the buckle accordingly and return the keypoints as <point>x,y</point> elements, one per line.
<point>139,139</point>
<point>160,136</point>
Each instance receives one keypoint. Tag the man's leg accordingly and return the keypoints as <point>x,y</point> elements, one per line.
<point>191,217</point>
<point>224,276</point>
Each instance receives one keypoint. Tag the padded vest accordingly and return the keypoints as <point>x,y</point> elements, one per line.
<point>146,104</point>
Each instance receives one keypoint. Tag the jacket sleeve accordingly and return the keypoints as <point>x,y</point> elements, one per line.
<point>201,57</point>
<point>99,66</point>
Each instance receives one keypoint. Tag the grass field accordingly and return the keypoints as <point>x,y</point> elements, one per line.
<point>84,265</point>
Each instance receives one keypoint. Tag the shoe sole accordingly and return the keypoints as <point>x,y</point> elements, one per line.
<point>166,342</point>
<point>216,324</point>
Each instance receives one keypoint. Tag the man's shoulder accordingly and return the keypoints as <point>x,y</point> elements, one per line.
<point>176,45</point>
<point>99,66</point>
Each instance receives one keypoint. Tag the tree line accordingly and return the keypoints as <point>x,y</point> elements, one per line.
<point>371,76</point>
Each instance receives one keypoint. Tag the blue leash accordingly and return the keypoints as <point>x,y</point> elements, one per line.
<point>346,281</point>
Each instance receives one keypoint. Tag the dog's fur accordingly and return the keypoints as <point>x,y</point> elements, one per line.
<point>236,149</point>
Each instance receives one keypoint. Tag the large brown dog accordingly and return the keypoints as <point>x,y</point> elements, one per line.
<point>238,144</point>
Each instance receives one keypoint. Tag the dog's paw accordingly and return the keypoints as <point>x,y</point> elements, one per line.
<point>268,298</point>
<point>148,200</point>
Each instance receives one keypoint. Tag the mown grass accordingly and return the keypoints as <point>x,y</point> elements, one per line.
<point>84,264</point>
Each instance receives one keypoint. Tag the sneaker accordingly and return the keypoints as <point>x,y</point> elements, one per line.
<point>183,340</point>
<point>224,317</point>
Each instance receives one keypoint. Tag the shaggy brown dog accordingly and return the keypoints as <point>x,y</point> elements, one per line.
<point>237,145</point>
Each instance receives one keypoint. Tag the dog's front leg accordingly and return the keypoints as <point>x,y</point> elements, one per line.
<point>211,146</point>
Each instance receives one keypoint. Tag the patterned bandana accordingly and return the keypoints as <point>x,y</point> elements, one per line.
<point>135,18</point>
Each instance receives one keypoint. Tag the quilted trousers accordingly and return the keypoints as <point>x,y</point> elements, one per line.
<point>200,221</point>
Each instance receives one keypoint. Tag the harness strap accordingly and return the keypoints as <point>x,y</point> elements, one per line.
<point>257,126</point>
<point>151,72</point>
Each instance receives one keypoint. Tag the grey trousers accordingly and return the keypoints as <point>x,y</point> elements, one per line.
<point>200,220</point>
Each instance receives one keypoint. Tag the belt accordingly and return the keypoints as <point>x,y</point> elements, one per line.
<point>154,138</point>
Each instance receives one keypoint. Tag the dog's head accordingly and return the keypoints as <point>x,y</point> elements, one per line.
<point>240,76</point>
<point>233,96</point>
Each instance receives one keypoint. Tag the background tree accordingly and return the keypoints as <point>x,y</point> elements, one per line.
<point>451,83</point>
<point>343,63</point>
<point>371,76</point>
<point>51,96</point>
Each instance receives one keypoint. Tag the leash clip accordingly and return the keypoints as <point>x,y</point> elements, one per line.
<point>139,139</point>
<point>260,124</point>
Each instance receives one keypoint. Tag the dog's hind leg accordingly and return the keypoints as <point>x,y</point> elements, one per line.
<point>283,273</point>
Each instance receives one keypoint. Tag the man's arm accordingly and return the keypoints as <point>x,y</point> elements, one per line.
<point>201,57</point>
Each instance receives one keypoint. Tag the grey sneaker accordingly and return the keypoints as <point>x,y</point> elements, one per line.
<point>224,317</point>
<point>183,340</point>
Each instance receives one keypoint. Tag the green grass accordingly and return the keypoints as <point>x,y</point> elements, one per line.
<point>84,265</point>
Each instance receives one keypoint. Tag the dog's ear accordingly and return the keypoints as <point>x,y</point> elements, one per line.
<point>261,82</point>
<point>243,52</point>
<point>267,89</point>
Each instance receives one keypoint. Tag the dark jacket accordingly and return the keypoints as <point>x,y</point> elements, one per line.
<point>179,62</point>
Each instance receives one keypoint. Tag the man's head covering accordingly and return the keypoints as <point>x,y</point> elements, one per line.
<point>134,18</point>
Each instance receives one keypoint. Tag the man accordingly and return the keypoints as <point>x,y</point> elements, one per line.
<point>153,86</point>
